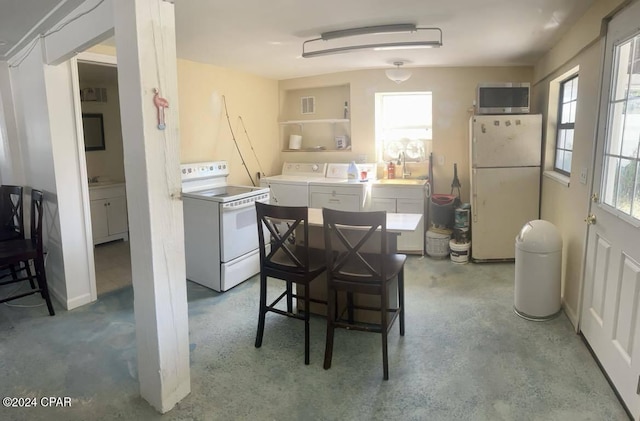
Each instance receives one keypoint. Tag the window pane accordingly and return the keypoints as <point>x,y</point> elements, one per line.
<point>636,196</point>
<point>404,125</point>
<point>559,159</point>
<point>626,184</point>
<point>568,139</point>
<point>616,127</point>
<point>574,91</point>
<point>619,89</point>
<point>572,112</point>
<point>631,135</point>
<point>566,163</point>
<point>567,91</point>
<point>566,113</point>
<point>406,110</point>
<point>562,135</point>
<point>609,192</point>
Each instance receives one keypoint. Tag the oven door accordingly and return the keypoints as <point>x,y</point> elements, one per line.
<point>238,229</point>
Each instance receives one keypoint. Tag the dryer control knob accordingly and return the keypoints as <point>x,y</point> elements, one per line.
<point>315,167</point>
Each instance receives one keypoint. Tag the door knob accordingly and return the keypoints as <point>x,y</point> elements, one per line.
<point>590,220</point>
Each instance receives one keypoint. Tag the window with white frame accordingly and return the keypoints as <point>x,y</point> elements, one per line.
<point>621,171</point>
<point>403,125</point>
<point>566,122</point>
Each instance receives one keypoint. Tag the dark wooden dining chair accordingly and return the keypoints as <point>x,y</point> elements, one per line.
<point>286,256</point>
<point>358,262</point>
<point>11,215</point>
<point>26,251</point>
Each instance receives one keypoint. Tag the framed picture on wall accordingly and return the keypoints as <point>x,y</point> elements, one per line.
<point>93,128</point>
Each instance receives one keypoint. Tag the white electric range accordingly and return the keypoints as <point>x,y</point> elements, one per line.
<point>220,226</point>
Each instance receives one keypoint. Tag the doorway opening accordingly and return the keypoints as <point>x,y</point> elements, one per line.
<point>104,157</point>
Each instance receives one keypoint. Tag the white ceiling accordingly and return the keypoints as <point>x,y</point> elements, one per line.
<point>265,37</point>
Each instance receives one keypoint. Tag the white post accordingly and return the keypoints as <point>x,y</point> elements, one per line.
<point>146,53</point>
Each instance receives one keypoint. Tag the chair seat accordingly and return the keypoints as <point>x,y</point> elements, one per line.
<point>281,261</point>
<point>12,250</point>
<point>353,270</point>
<point>8,234</point>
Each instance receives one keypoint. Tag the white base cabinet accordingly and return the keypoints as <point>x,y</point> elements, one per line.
<point>109,213</point>
<point>402,199</point>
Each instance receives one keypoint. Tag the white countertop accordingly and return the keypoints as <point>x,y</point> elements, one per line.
<point>396,222</point>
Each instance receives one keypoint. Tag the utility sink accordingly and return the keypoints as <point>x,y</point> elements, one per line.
<point>401,182</point>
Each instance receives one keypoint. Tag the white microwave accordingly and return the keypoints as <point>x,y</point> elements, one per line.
<point>503,98</point>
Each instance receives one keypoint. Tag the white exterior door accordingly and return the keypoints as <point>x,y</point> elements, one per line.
<point>610,320</point>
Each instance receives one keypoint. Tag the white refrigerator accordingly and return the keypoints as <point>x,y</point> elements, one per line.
<point>505,181</point>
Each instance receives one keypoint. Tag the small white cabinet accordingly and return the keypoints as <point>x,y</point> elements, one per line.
<point>108,213</point>
<point>402,199</point>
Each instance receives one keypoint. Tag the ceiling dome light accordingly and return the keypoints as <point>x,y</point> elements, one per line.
<point>398,75</point>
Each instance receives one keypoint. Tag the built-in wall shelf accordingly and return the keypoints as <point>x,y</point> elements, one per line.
<point>324,127</point>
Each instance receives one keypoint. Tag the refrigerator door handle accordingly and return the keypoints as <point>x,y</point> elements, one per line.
<point>474,197</point>
<point>473,152</point>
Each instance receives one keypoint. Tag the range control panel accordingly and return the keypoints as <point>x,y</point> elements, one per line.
<point>248,201</point>
<point>204,170</point>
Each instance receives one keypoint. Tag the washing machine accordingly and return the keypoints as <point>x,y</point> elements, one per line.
<point>336,191</point>
<point>291,188</point>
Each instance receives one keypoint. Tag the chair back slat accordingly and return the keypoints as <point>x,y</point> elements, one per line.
<point>353,242</point>
<point>36,219</point>
<point>11,214</point>
<point>282,223</point>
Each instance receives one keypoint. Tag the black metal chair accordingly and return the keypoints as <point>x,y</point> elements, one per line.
<point>22,251</point>
<point>285,257</point>
<point>11,215</point>
<point>358,262</point>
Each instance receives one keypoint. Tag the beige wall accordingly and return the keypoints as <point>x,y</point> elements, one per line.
<point>205,130</point>
<point>454,90</point>
<point>567,206</point>
<point>205,134</point>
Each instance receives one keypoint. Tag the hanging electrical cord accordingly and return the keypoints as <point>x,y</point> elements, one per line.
<point>53,31</point>
<point>233,136</point>
<point>262,174</point>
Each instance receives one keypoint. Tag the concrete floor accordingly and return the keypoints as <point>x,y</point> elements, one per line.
<point>113,266</point>
<point>465,356</point>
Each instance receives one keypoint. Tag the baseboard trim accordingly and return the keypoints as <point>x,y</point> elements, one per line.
<point>78,301</point>
<point>571,314</point>
<point>69,304</point>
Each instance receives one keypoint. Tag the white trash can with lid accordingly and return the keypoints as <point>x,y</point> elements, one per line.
<point>538,271</point>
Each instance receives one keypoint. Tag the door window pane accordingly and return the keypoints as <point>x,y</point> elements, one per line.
<point>610,173</point>
<point>631,131</point>
<point>626,181</point>
<point>620,180</point>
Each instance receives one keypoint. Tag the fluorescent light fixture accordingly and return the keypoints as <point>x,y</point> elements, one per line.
<point>380,29</point>
<point>368,33</point>
<point>398,75</point>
